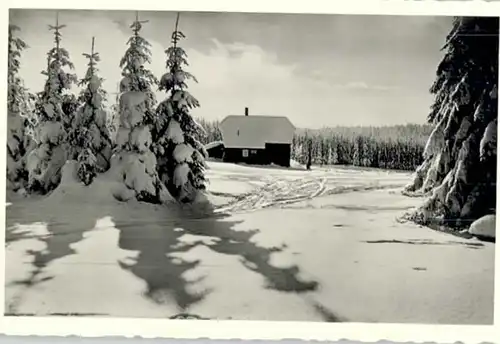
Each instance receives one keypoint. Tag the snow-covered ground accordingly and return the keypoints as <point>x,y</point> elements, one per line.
<point>320,245</point>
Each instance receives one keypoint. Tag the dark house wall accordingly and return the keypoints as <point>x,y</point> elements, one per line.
<point>278,154</point>
<point>255,156</point>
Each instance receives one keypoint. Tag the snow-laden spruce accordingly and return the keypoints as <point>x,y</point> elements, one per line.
<point>134,164</point>
<point>19,109</point>
<point>89,138</point>
<point>459,170</point>
<point>112,118</point>
<point>54,112</point>
<point>181,157</point>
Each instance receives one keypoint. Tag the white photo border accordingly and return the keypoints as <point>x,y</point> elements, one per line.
<point>232,329</point>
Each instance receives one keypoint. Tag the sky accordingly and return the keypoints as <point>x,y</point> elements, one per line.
<point>316,69</point>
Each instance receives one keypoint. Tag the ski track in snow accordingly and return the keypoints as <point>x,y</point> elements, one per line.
<point>281,192</point>
<point>277,193</point>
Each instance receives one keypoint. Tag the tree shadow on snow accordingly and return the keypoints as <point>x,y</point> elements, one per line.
<point>164,274</point>
<point>56,226</point>
<point>238,243</point>
<point>326,314</point>
<point>156,233</point>
<point>159,265</point>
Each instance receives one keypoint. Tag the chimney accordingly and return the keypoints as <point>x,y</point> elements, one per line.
<point>246,111</point>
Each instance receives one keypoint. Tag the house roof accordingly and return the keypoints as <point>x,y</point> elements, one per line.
<point>214,144</point>
<point>256,131</point>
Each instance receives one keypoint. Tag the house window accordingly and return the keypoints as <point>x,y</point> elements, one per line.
<point>245,153</point>
<point>253,151</point>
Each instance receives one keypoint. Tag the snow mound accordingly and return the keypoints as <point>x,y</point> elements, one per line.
<point>105,189</point>
<point>70,186</point>
<point>296,165</point>
<point>203,199</point>
<point>68,173</point>
<point>484,227</point>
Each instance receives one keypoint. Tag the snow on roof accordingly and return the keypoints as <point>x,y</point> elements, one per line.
<point>256,131</point>
<point>214,144</point>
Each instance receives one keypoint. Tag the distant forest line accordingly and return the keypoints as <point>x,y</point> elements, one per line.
<point>398,147</point>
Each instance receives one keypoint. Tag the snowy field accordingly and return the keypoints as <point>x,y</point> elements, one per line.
<point>280,244</point>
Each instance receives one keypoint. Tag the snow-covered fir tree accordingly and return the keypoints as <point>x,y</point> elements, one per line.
<point>134,163</point>
<point>53,116</point>
<point>181,157</point>
<point>112,120</point>
<point>19,109</point>
<point>459,171</point>
<point>89,137</point>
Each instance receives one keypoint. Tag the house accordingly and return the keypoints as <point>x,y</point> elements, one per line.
<point>259,140</point>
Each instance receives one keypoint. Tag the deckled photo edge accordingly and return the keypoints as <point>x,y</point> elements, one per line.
<point>156,328</point>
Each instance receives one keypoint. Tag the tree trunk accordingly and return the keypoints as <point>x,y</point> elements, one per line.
<point>309,155</point>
